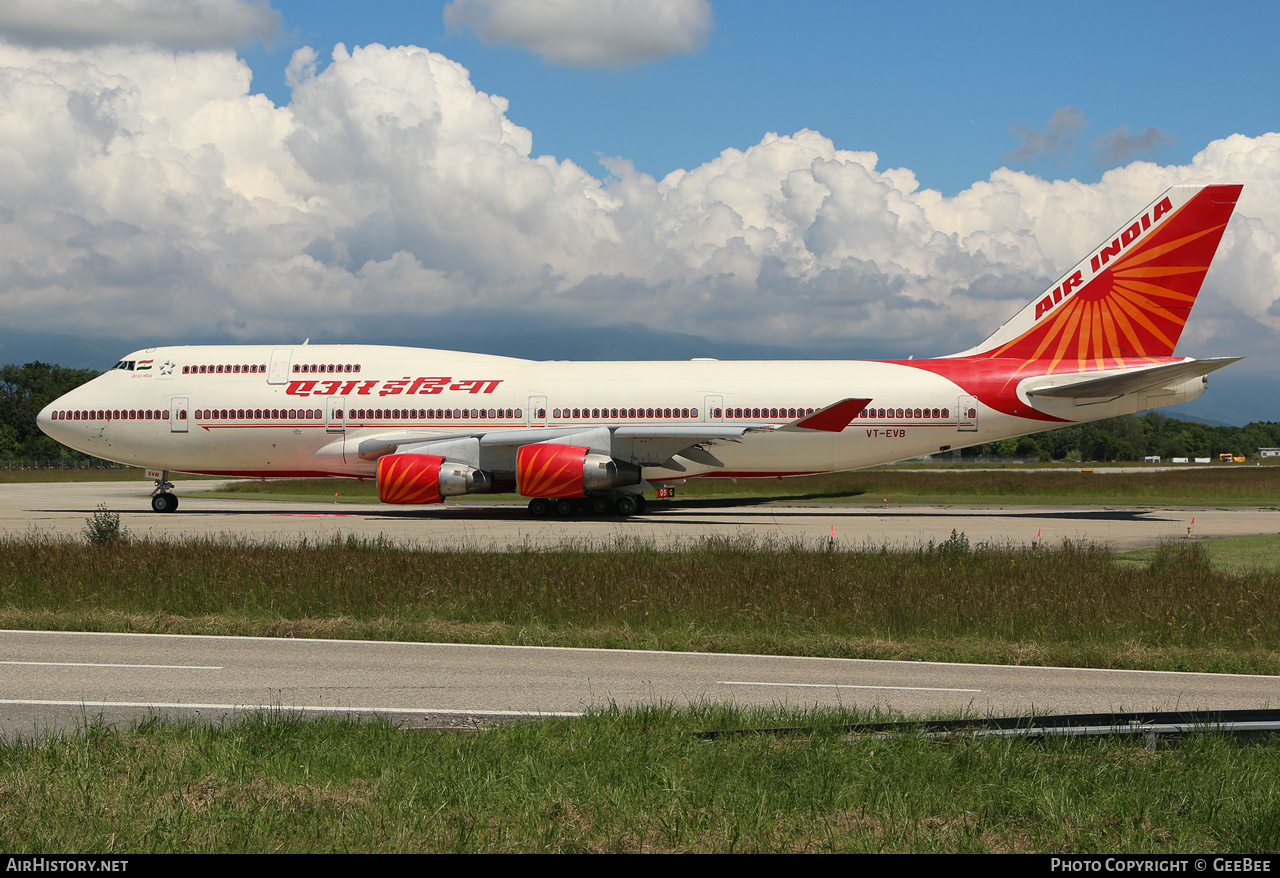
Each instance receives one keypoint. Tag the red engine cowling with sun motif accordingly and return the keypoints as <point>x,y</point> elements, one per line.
<point>426,478</point>
<point>552,471</point>
<point>409,478</point>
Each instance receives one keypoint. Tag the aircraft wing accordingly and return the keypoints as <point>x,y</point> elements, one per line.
<point>641,444</point>
<point>1085,390</point>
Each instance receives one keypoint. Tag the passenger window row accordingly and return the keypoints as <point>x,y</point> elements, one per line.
<point>258,414</point>
<point>623,413</point>
<point>791,413</point>
<point>904,413</point>
<point>326,367</point>
<point>114,415</point>
<point>223,369</point>
<point>433,414</point>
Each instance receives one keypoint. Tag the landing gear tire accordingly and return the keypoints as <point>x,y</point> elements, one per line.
<point>164,502</point>
<point>564,508</point>
<point>641,504</point>
<point>539,507</point>
<point>625,505</point>
<point>599,506</point>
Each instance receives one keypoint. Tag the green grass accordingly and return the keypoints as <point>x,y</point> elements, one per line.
<point>1215,486</point>
<point>1240,555</point>
<point>89,474</point>
<point>1209,485</point>
<point>346,490</point>
<point>626,781</point>
<point>82,474</point>
<point>1073,605</point>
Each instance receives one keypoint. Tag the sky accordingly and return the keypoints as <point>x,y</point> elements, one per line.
<point>636,178</point>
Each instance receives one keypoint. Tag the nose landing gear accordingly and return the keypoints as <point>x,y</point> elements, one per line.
<point>162,498</point>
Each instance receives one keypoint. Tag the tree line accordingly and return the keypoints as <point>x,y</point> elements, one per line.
<point>1133,437</point>
<point>25,390</point>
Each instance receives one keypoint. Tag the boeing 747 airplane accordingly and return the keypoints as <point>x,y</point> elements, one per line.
<point>593,436</point>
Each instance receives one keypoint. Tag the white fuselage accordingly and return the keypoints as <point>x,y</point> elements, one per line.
<point>260,410</point>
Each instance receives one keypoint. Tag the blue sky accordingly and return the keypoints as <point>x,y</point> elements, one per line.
<point>625,178</point>
<point>940,88</point>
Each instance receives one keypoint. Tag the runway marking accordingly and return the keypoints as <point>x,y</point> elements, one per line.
<point>159,705</point>
<point>104,665</point>
<point>841,686</point>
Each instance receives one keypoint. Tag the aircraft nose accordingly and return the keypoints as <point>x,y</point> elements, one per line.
<point>44,420</point>
<point>55,427</point>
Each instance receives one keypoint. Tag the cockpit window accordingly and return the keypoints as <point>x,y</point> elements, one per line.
<point>124,364</point>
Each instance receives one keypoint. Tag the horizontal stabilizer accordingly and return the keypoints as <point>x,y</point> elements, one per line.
<point>1117,385</point>
<point>831,419</point>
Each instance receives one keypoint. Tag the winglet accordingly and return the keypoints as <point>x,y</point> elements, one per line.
<point>831,419</point>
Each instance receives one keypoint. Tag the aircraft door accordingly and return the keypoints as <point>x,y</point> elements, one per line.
<point>279,373</point>
<point>713,408</point>
<point>178,414</point>
<point>967,414</point>
<point>335,418</point>
<point>537,411</point>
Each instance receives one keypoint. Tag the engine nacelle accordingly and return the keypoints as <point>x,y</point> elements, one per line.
<point>551,471</point>
<point>426,478</point>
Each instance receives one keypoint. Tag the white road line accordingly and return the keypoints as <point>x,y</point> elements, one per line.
<point>297,642</point>
<point>840,686</point>
<point>159,705</point>
<point>100,665</point>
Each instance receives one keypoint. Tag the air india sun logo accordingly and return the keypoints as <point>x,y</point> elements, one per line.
<point>1134,306</point>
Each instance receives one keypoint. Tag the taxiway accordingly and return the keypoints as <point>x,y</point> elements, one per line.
<point>62,508</point>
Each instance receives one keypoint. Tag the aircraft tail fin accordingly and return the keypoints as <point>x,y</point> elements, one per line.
<point>1131,296</point>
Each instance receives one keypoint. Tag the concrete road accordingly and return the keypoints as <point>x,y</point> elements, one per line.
<point>63,508</point>
<point>50,679</point>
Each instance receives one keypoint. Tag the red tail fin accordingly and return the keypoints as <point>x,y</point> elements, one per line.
<point>1129,298</point>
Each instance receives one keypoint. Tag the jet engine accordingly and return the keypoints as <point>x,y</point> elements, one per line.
<point>426,478</point>
<point>547,470</point>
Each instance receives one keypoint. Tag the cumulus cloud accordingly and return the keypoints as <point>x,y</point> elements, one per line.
<point>139,188</point>
<point>588,33</point>
<point>176,24</point>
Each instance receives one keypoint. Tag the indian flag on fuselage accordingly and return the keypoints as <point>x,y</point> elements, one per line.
<point>143,365</point>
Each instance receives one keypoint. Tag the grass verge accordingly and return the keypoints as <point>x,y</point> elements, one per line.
<point>1239,555</point>
<point>71,474</point>
<point>1072,605</point>
<point>625,781</point>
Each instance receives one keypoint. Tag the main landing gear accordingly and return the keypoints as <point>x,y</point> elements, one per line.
<point>162,498</point>
<point>622,505</point>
